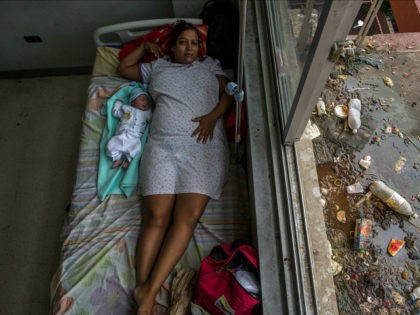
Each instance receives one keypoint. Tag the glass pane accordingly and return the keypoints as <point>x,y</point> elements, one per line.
<point>292,26</point>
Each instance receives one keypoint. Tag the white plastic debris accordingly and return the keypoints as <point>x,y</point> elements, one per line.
<point>365,162</point>
<point>359,24</point>
<point>356,188</point>
<point>354,121</point>
<point>311,131</point>
<point>320,107</point>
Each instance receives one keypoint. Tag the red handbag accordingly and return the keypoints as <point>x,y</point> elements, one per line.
<point>228,282</point>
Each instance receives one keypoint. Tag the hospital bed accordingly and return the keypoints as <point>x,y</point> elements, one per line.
<point>96,274</point>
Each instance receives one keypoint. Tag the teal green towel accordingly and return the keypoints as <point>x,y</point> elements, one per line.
<point>115,181</point>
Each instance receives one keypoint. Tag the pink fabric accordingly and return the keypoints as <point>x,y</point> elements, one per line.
<point>218,292</point>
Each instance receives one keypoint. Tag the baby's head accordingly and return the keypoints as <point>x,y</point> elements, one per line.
<point>139,99</point>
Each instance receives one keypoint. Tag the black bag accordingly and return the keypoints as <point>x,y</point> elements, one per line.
<point>222,18</point>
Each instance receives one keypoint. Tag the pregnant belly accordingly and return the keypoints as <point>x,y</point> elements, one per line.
<point>169,122</point>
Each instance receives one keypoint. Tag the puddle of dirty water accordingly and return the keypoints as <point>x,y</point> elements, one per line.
<point>332,191</point>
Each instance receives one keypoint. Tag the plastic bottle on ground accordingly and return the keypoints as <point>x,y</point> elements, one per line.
<point>354,120</point>
<point>320,107</point>
<point>391,198</point>
<point>415,295</point>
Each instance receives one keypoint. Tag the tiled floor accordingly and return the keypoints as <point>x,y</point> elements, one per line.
<point>40,121</point>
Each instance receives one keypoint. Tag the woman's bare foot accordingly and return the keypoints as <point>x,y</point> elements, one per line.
<point>144,300</point>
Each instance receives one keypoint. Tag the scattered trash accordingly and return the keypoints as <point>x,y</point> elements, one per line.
<point>356,188</point>
<point>376,139</point>
<point>320,107</point>
<point>311,131</point>
<point>391,198</point>
<point>367,279</point>
<point>355,106</point>
<point>388,81</point>
<point>336,267</point>
<point>398,298</point>
<point>341,216</point>
<point>362,234</point>
<point>395,246</point>
<point>323,202</point>
<point>365,162</point>
<point>399,165</point>
<point>363,199</point>
<point>388,130</point>
<point>371,61</point>
<point>359,24</point>
<point>415,295</point>
<point>341,111</point>
<point>358,88</point>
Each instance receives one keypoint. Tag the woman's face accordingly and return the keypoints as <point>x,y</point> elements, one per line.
<point>185,49</point>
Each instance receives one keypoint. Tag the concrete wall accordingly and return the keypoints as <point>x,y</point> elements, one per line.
<point>188,8</point>
<point>66,28</point>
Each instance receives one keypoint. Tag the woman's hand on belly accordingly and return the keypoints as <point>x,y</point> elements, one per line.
<point>205,128</point>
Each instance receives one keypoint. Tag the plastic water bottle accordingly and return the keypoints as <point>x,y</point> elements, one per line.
<point>391,198</point>
<point>354,121</point>
<point>320,107</point>
<point>415,295</point>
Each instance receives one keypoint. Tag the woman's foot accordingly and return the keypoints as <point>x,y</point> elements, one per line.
<point>126,164</point>
<point>144,300</point>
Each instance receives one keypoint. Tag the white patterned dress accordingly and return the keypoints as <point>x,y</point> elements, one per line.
<point>172,161</point>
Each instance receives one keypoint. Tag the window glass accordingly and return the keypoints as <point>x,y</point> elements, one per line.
<point>292,26</point>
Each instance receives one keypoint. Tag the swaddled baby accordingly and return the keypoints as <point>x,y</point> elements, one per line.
<point>134,117</point>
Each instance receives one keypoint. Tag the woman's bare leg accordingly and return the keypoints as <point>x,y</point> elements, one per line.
<point>156,217</point>
<point>188,210</point>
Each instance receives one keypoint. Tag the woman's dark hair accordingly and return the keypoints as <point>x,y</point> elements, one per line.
<point>178,29</point>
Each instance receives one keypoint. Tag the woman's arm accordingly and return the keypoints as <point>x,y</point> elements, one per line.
<point>204,131</point>
<point>129,66</point>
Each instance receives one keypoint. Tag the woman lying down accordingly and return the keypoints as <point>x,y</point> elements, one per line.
<point>185,159</point>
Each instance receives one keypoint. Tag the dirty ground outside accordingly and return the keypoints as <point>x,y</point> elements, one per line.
<point>371,281</point>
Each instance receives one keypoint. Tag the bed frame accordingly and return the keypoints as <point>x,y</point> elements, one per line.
<point>128,31</point>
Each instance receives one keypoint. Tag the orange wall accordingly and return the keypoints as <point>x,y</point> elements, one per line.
<point>407,14</point>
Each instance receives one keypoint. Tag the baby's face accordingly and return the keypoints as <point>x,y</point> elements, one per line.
<point>141,102</point>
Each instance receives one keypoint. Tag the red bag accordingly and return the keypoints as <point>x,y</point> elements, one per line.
<point>229,121</point>
<point>223,284</point>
